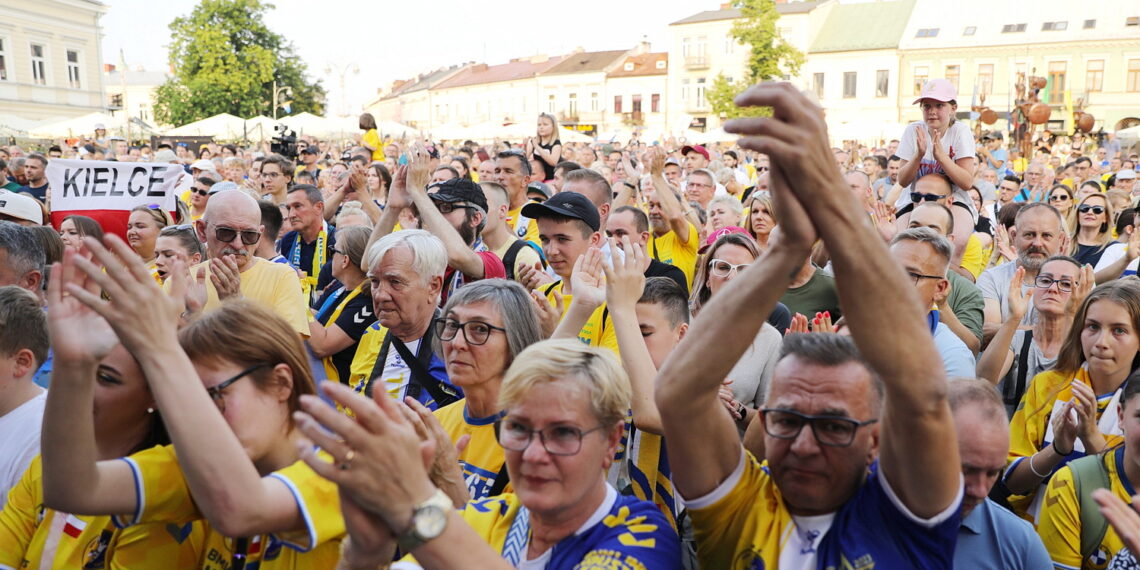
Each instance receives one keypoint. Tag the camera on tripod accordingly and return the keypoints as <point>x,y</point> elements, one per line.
<point>284,142</point>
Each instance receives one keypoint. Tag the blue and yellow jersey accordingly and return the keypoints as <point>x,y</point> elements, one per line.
<point>649,473</point>
<point>164,498</point>
<point>1060,523</point>
<point>682,255</point>
<point>624,534</point>
<point>396,378</point>
<point>744,524</point>
<point>1030,430</point>
<point>482,459</point>
<point>531,232</point>
<point>34,537</point>
<point>599,328</point>
<point>973,257</point>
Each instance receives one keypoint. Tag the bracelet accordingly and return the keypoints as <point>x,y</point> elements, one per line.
<point>1034,469</point>
<point>1058,451</point>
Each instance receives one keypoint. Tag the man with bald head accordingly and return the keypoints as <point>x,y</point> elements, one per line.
<point>231,230</point>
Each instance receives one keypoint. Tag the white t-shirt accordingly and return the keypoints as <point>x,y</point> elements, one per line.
<point>1112,254</point>
<point>19,441</point>
<point>958,142</point>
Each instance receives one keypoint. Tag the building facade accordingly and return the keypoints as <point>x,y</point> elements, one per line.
<point>50,58</point>
<point>130,93</point>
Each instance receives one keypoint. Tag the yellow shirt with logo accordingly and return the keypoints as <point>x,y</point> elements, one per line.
<point>165,498</point>
<point>682,255</point>
<point>274,285</point>
<point>26,529</point>
<point>1060,524</point>
<point>973,257</point>
<point>531,234</point>
<point>482,459</point>
<point>599,328</point>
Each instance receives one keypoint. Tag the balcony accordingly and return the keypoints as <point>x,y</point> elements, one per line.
<point>694,62</point>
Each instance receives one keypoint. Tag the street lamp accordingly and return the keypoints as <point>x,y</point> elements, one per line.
<point>342,71</point>
<point>280,97</point>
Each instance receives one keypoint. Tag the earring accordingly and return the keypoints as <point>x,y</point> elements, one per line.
<point>150,410</point>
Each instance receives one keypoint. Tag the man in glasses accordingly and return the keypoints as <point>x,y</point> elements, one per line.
<point>962,307</point>
<point>200,196</point>
<point>1037,234</point>
<point>276,176</point>
<point>924,255</point>
<point>231,230</point>
<point>863,466</point>
<point>1035,183</point>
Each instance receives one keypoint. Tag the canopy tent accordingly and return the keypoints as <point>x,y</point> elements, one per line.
<point>82,125</point>
<point>225,126</point>
<point>568,136</point>
<point>13,126</point>
<point>1129,136</point>
<point>450,132</point>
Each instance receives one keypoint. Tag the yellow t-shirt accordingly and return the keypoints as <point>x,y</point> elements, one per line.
<point>1060,524</point>
<point>26,527</point>
<point>973,258</point>
<point>526,256</point>
<point>599,328</point>
<point>531,233</point>
<point>683,256</point>
<point>1030,423</point>
<point>372,138</point>
<point>274,285</point>
<point>165,498</point>
<point>483,458</point>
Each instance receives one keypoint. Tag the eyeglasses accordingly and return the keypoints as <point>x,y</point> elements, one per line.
<point>556,440</point>
<point>227,235</point>
<point>271,174</point>
<point>722,268</point>
<point>832,431</point>
<point>1059,198</point>
<point>449,207</point>
<point>918,197</point>
<point>1045,282</point>
<point>919,277</point>
<point>1085,208</point>
<point>199,191</point>
<point>475,333</point>
<point>215,391</point>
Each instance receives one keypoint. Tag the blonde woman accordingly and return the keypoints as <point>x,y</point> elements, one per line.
<point>1093,229</point>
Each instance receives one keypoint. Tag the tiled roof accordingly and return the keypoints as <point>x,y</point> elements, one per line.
<point>863,26</point>
<point>511,71</point>
<point>733,13</point>
<point>643,64</point>
<point>582,62</point>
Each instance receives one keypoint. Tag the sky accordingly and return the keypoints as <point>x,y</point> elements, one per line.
<point>389,40</point>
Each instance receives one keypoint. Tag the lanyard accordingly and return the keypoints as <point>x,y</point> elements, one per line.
<point>334,298</point>
<point>318,253</point>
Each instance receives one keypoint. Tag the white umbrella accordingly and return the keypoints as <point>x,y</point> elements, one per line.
<point>395,130</point>
<point>450,132</point>
<point>715,135</point>
<point>566,135</point>
<point>83,125</point>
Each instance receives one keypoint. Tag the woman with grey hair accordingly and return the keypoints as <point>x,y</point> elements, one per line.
<point>484,325</point>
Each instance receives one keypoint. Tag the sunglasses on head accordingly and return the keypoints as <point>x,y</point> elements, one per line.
<point>227,235</point>
<point>917,197</point>
<point>1087,208</point>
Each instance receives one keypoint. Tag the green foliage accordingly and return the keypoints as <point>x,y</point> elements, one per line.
<point>772,57</point>
<point>225,60</point>
<point>720,95</point>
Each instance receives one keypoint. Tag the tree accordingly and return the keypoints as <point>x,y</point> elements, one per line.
<point>771,57</point>
<point>225,60</point>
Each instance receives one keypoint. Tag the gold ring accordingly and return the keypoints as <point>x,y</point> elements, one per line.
<point>348,457</point>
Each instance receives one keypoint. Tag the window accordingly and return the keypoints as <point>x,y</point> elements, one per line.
<point>1094,75</point>
<point>144,112</point>
<point>573,104</point>
<point>685,90</point>
<point>849,81</point>
<point>628,66</point>
<point>1012,28</point>
<point>701,102</point>
<point>1056,80</point>
<point>3,59</point>
<point>817,85</point>
<point>729,43</point>
<point>921,73</point>
<point>953,74</point>
<point>1090,24</point>
<point>550,102</point>
<point>73,68</point>
<point>685,48</point>
<point>660,64</point>
<point>655,103</point>
<point>969,31</point>
<point>594,102</point>
<point>617,103</point>
<point>117,100</point>
<point>985,78</point>
<point>1054,26</point>
<point>882,82</point>
<point>637,103</point>
<point>1133,83</point>
<point>926,33</point>
<point>39,64</point>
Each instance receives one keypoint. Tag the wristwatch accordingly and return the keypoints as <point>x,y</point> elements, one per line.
<point>429,519</point>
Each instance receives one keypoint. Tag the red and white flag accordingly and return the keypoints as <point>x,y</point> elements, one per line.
<point>107,190</point>
<point>74,526</point>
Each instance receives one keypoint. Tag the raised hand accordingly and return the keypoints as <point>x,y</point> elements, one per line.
<point>1017,301</point>
<point>78,333</point>
<point>936,146</point>
<point>1064,428</point>
<point>1124,518</point>
<point>588,280</point>
<point>533,277</point>
<point>398,192</point>
<point>625,280</point>
<point>549,313</point>
<point>1085,283</point>
<point>799,325</point>
<point>655,156</point>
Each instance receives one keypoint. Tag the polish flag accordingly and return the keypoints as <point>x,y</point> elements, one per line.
<point>106,191</point>
<point>74,526</point>
<point>254,545</point>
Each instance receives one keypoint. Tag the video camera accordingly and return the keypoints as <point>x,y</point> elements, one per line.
<point>284,142</point>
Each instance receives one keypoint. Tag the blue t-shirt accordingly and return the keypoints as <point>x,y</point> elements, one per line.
<point>993,537</point>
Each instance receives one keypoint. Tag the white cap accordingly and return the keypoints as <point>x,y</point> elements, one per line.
<point>21,207</point>
<point>203,164</point>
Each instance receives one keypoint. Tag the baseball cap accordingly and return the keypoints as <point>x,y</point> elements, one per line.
<point>100,127</point>
<point>719,233</point>
<point>1126,174</point>
<point>203,164</point>
<point>539,188</point>
<point>939,90</point>
<point>695,148</point>
<point>567,205</point>
<point>672,160</point>
<point>165,155</point>
<point>310,150</point>
<point>458,190</point>
<point>21,207</point>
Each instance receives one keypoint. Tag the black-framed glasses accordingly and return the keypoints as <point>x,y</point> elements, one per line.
<point>832,431</point>
<point>215,391</point>
<point>1085,208</point>
<point>722,268</point>
<point>556,440</point>
<point>227,235</point>
<point>1045,282</point>
<point>449,207</point>
<point>919,276</point>
<point>474,332</point>
<point>919,197</point>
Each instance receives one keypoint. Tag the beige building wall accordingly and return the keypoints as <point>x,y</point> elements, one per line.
<point>51,58</point>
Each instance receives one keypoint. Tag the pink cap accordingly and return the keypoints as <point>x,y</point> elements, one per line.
<point>722,232</point>
<point>939,90</point>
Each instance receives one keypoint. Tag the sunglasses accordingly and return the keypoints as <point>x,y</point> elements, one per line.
<point>199,191</point>
<point>227,235</point>
<point>918,197</point>
<point>1094,209</point>
<point>1059,198</point>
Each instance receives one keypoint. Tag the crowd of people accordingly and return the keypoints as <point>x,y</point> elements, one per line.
<point>534,355</point>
